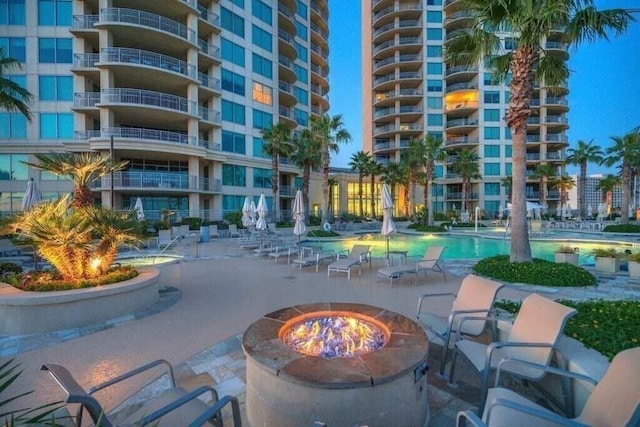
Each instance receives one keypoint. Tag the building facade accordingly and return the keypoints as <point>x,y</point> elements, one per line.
<point>409,92</point>
<point>182,89</point>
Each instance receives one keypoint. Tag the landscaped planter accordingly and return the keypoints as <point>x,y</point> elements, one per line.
<point>23,313</point>
<point>567,258</point>
<point>607,265</point>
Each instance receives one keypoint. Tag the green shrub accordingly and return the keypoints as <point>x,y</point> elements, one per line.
<point>566,249</point>
<point>322,233</point>
<point>605,326</point>
<point>427,228</point>
<point>194,223</point>
<point>622,228</point>
<point>314,220</point>
<point>9,267</point>
<point>604,253</point>
<point>44,281</point>
<point>233,218</point>
<point>634,257</point>
<point>538,272</point>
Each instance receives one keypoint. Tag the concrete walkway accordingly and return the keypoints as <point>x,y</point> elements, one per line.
<point>207,304</point>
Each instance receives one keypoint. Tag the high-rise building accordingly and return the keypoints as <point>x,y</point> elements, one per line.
<point>180,88</point>
<point>409,91</point>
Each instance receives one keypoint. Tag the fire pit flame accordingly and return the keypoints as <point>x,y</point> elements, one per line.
<point>334,336</point>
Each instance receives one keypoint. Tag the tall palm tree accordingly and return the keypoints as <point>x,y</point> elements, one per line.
<point>82,168</point>
<point>563,184</point>
<point>606,186</point>
<point>413,160</point>
<point>327,132</point>
<point>434,152</point>
<point>468,167</point>
<point>373,169</point>
<point>626,150</point>
<point>13,97</point>
<point>277,143</point>
<point>359,162</point>
<point>393,174</point>
<point>583,154</point>
<point>542,173</point>
<point>529,23</point>
<point>306,155</point>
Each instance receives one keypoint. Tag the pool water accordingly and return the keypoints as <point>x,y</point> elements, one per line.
<point>144,261</point>
<point>466,247</point>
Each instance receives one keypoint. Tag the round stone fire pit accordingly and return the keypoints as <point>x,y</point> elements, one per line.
<point>383,384</point>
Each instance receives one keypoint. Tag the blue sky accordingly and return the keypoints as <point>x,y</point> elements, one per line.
<point>604,85</point>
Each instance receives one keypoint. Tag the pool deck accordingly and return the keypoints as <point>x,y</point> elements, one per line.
<point>209,300</point>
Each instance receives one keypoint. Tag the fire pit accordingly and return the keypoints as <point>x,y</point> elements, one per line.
<point>339,363</point>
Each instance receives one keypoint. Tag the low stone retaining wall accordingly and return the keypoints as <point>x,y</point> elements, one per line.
<point>24,313</point>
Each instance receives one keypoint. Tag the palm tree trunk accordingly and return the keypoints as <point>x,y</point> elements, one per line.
<point>360,195</point>
<point>373,195</point>
<point>275,176</point>
<point>543,191</point>
<point>583,189</point>
<point>626,185</point>
<point>306,180</point>
<point>82,197</point>
<point>464,194</point>
<point>325,183</point>
<point>406,200</point>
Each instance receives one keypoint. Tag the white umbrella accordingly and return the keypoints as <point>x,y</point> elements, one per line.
<point>253,211</point>
<point>566,212</point>
<point>589,210</point>
<point>501,211</point>
<point>31,195</point>
<point>298,215</point>
<point>262,210</point>
<point>602,210</point>
<point>388,226</point>
<point>246,217</point>
<point>139,209</point>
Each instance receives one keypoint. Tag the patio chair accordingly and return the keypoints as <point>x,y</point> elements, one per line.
<point>614,401</point>
<point>309,256</point>
<point>430,261</point>
<point>213,231</point>
<point>533,337</point>
<point>475,297</point>
<point>233,230</point>
<point>357,255</point>
<point>174,406</point>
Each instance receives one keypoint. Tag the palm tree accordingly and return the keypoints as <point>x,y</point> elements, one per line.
<point>584,153</point>
<point>13,97</point>
<point>606,185</point>
<point>359,162</point>
<point>563,184</point>
<point>393,174</point>
<point>373,169</point>
<point>626,150</point>
<point>81,168</point>
<point>542,173</point>
<point>528,62</point>
<point>277,142</point>
<point>434,152</point>
<point>413,160</point>
<point>467,166</point>
<point>327,132</point>
<point>306,155</point>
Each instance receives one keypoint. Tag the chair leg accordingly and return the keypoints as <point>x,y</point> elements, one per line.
<point>453,367</point>
<point>483,390</point>
<point>445,352</point>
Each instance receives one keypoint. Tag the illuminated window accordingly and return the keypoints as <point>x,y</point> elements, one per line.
<point>262,94</point>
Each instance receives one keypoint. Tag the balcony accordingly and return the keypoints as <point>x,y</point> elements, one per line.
<point>462,123</point>
<point>150,99</point>
<point>287,96</point>
<point>533,139</point>
<point>286,69</point>
<point>209,82</point>
<point>84,22</point>
<point>385,98</point>
<point>147,20</point>
<point>403,109</point>
<point>154,135</point>
<point>403,127</point>
<point>212,52</point>
<point>83,61</point>
<point>400,60</point>
<point>461,86</point>
<point>286,44</point>
<point>461,140</point>
<point>463,69</point>
<point>556,138</point>
<point>209,115</point>
<point>556,121</point>
<point>413,25</point>
<point>85,100</point>
<point>319,11</point>
<point>148,59</point>
<point>210,18</point>
<point>411,10</point>
<point>165,181</point>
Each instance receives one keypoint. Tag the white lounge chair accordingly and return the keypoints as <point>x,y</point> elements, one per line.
<point>614,401</point>
<point>213,231</point>
<point>357,255</point>
<point>309,256</point>
<point>233,231</point>
<point>474,298</point>
<point>532,338</point>
<point>430,261</point>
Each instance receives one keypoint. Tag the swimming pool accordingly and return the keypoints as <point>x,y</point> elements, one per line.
<point>148,260</point>
<point>467,247</point>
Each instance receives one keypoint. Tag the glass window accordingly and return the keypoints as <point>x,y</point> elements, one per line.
<point>491,150</point>
<point>301,117</point>
<point>56,125</point>
<point>438,171</point>
<point>232,82</point>
<point>434,51</point>
<point>302,74</point>
<point>490,80</point>
<point>14,47</point>
<point>54,12</point>
<point>302,95</point>
<point>13,126</point>
<point>434,2</point>
<point>434,33</point>
<point>434,85</point>
<point>12,12</point>
<point>233,142</point>
<point>507,150</point>
<point>491,115</point>
<point>301,30</point>
<point>232,22</point>
<point>507,133</point>
<point>434,119</point>
<point>232,52</point>
<point>55,51</point>
<point>262,93</point>
<point>491,132</point>
<point>55,88</point>
<point>261,11</point>
<point>262,178</point>
<point>492,208</point>
<point>234,175</point>
<point>261,38</point>
<point>302,10</point>
<point>434,16</point>
<point>507,169</point>
<point>434,68</point>
<point>507,96</point>
<point>492,97</point>
<point>12,167</point>
<point>491,169</point>
<point>232,112</point>
<point>262,66</point>
<point>258,151</point>
<point>303,53</point>
<point>492,189</point>
<point>262,120</point>
<point>434,102</point>
<point>239,3</point>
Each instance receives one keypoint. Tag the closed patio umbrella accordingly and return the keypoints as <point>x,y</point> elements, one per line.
<point>246,217</point>
<point>31,195</point>
<point>262,210</point>
<point>298,215</point>
<point>566,212</point>
<point>139,209</point>
<point>589,210</point>
<point>388,226</point>
<point>253,211</point>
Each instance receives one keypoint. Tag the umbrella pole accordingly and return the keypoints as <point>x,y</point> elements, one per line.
<point>388,258</point>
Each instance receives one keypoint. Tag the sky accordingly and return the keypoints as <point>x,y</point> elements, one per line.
<point>604,98</point>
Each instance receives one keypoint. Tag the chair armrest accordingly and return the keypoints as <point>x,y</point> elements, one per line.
<point>546,368</point>
<point>502,344</point>
<point>469,418</point>
<point>529,410</point>
<point>213,410</point>
<point>489,318</point>
<point>422,297</point>
<point>134,372</point>
<point>344,252</point>
<point>178,403</point>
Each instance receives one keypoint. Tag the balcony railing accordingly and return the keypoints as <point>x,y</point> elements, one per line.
<point>461,140</point>
<point>315,27</point>
<point>208,81</point>
<point>150,20</point>
<point>397,8</point>
<point>461,69</point>
<point>207,49</point>
<point>556,120</point>
<point>209,115</point>
<point>149,98</point>
<point>408,23</point>
<point>84,21</point>
<point>286,11</point>
<point>85,60</point>
<point>462,122</point>
<point>398,93</point>
<point>151,59</point>
<point>319,11</point>
<point>552,100</point>
<point>210,145</point>
<point>283,35</point>
<point>163,180</point>
<point>319,70</point>
<point>461,86</point>
<point>209,16</point>
<point>86,99</point>
<point>554,137</point>
<point>139,133</point>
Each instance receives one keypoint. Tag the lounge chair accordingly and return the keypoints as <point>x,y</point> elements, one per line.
<point>533,337</point>
<point>173,406</point>
<point>284,250</point>
<point>475,297</point>
<point>430,261</point>
<point>233,230</point>
<point>614,401</point>
<point>309,256</point>
<point>357,255</point>
<point>213,231</point>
